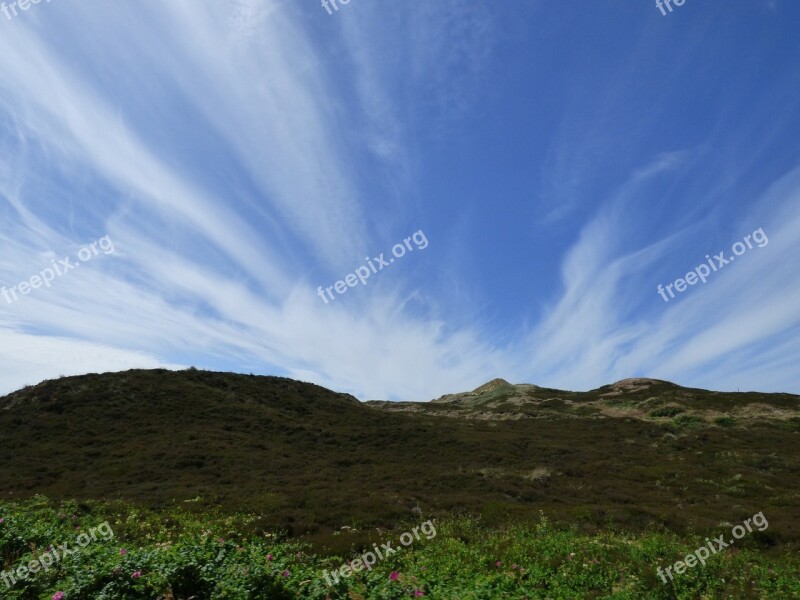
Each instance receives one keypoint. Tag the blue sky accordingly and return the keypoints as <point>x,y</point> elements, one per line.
<point>561,159</point>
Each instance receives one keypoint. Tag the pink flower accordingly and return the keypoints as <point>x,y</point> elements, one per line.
<point>270,557</point>
<point>123,552</point>
<point>136,574</point>
<point>286,573</point>
<point>2,520</point>
<point>394,575</point>
<point>58,596</point>
<point>220,540</point>
<point>419,593</point>
<point>513,566</point>
<point>497,563</point>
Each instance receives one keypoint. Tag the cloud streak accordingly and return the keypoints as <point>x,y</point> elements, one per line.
<point>241,154</point>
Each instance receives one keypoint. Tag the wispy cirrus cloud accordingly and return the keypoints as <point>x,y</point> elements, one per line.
<point>239,155</point>
<point>198,277</point>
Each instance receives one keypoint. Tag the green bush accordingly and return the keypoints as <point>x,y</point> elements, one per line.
<point>666,411</point>
<point>688,421</point>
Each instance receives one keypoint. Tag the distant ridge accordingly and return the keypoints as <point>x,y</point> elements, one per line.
<point>639,398</point>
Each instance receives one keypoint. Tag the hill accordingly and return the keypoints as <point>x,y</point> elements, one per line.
<point>638,454</point>
<point>648,400</point>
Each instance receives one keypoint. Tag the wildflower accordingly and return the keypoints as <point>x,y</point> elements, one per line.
<point>419,593</point>
<point>513,566</point>
<point>394,575</point>
<point>497,563</point>
<point>220,540</point>
<point>286,573</point>
<point>270,557</point>
<point>123,552</point>
<point>2,520</point>
<point>136,574</point>
<point>58,596</point>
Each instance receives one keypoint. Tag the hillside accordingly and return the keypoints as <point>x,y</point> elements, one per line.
<point>637,454</point>
<point>649,400</point>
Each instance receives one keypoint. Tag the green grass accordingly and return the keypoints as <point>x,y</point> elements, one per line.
<point>183,554</point>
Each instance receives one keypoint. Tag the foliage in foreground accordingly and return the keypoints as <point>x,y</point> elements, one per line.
<point>177,555</point>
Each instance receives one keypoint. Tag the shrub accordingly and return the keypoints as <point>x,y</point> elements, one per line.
<point>688,421</point>
<point>666,411</point>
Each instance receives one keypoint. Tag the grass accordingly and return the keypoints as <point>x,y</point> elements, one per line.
<point>182,554</point>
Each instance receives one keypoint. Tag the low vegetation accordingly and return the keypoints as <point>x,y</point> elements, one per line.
<point>204,475</point>
<point>176,554</point>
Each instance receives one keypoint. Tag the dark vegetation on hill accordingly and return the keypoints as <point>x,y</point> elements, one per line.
<point>638,454</point>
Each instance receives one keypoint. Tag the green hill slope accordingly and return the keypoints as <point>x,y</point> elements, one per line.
<point>311,459</point>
